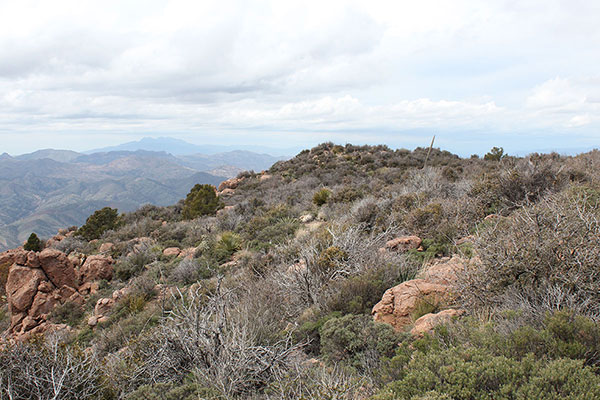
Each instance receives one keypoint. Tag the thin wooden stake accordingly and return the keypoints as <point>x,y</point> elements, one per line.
<point>429,151</point>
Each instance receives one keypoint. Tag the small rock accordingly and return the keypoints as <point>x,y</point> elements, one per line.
<point>45,287</point>
<point>33,260</point>
<point>171,251</point>
<point>92,321</point>
<point>428,322</point>
<point>103,306</point>
<point>226,192</point>
<point>89,288</point>
<point>404,243</point>
<point>306,218</point>
<point>106,247</point>
<point>28,324</point>
<point>77,298</point>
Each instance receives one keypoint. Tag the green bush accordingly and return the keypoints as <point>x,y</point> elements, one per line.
<point>274,226</point>
<point>310,330</point>
<point>321,197</point>
<point>506,359</point>
<point>33,243</point>
<point>467,373</point>
<point>331,259</point>
<point>99,222</point>
<point>172,391</point>
<point>495,154</point>
<point>201,200</point>
<point>135,263</point>
<point>358,294</point>
<point>227,244</point>
<point>358,341</point>
<point>67,313</point>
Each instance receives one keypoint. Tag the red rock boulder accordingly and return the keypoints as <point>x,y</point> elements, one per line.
<point>96,268</point>
<point>21,287</point>
<point>58,268</point>
<point>400,302</point>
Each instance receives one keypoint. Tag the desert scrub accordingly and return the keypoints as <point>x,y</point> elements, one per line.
<point>67,313</point>
<point>134,264</point>
<point>358,341</point>
<point>544,257</point>
<point>321,197</point>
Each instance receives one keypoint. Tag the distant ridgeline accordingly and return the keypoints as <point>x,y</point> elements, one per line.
<point>51,189</point>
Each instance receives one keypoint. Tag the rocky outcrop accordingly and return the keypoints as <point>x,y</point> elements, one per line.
<point>104,306</point>
<point>38,282</point>
<point>444,271</point>
<point>433,286</point>
<point>230,184</point>
<point>226,192</point>
<point>404,243</point>
<point>22,286</point>
<point>400,302</point>
<point>58,268</point>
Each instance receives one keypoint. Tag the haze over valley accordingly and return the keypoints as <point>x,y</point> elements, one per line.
<point>50,189</point>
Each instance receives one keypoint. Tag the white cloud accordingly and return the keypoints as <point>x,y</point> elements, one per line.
<point>157,67</point>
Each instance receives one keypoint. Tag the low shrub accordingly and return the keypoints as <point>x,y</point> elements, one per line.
<point>67,313</point>
<point>358,341</point>
<point>201,200</point>
<point>188,390</point>
<point>189,271</point>
<point>542,258</point>
<point>133,264</point>
<point>470,360</point>
<point>321,197</point>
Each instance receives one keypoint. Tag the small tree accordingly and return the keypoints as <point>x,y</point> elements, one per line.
<point>98,223</point>
<point>33,243</point>
<point>495,154</point>
<point>201,200</point>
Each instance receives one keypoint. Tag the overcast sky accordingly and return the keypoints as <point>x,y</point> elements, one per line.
<point>521,74</point>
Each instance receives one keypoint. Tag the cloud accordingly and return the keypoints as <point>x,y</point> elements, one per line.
<point>307,67</point>
<point>569,102</point>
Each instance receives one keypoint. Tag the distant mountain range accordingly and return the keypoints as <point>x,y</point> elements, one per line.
<point>180,147</point>
<point>49,189</point>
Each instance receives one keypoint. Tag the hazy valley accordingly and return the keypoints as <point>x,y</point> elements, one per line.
<point>50,189</point>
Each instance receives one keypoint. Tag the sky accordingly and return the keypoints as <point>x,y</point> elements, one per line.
<point>80,74</point>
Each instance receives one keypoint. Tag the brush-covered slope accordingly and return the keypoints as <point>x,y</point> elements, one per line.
<point>348,272</point>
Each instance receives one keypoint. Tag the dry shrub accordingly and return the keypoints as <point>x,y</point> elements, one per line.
<point>544,257</point>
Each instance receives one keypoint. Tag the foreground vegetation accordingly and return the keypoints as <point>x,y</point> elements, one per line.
<point>274,300</point>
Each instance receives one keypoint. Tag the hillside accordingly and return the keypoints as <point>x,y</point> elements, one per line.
<point>49,189</point>
<point>42,195</point>
<point>346,272</point>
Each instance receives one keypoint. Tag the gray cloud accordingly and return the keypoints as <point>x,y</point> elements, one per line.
<point>298,71</point>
